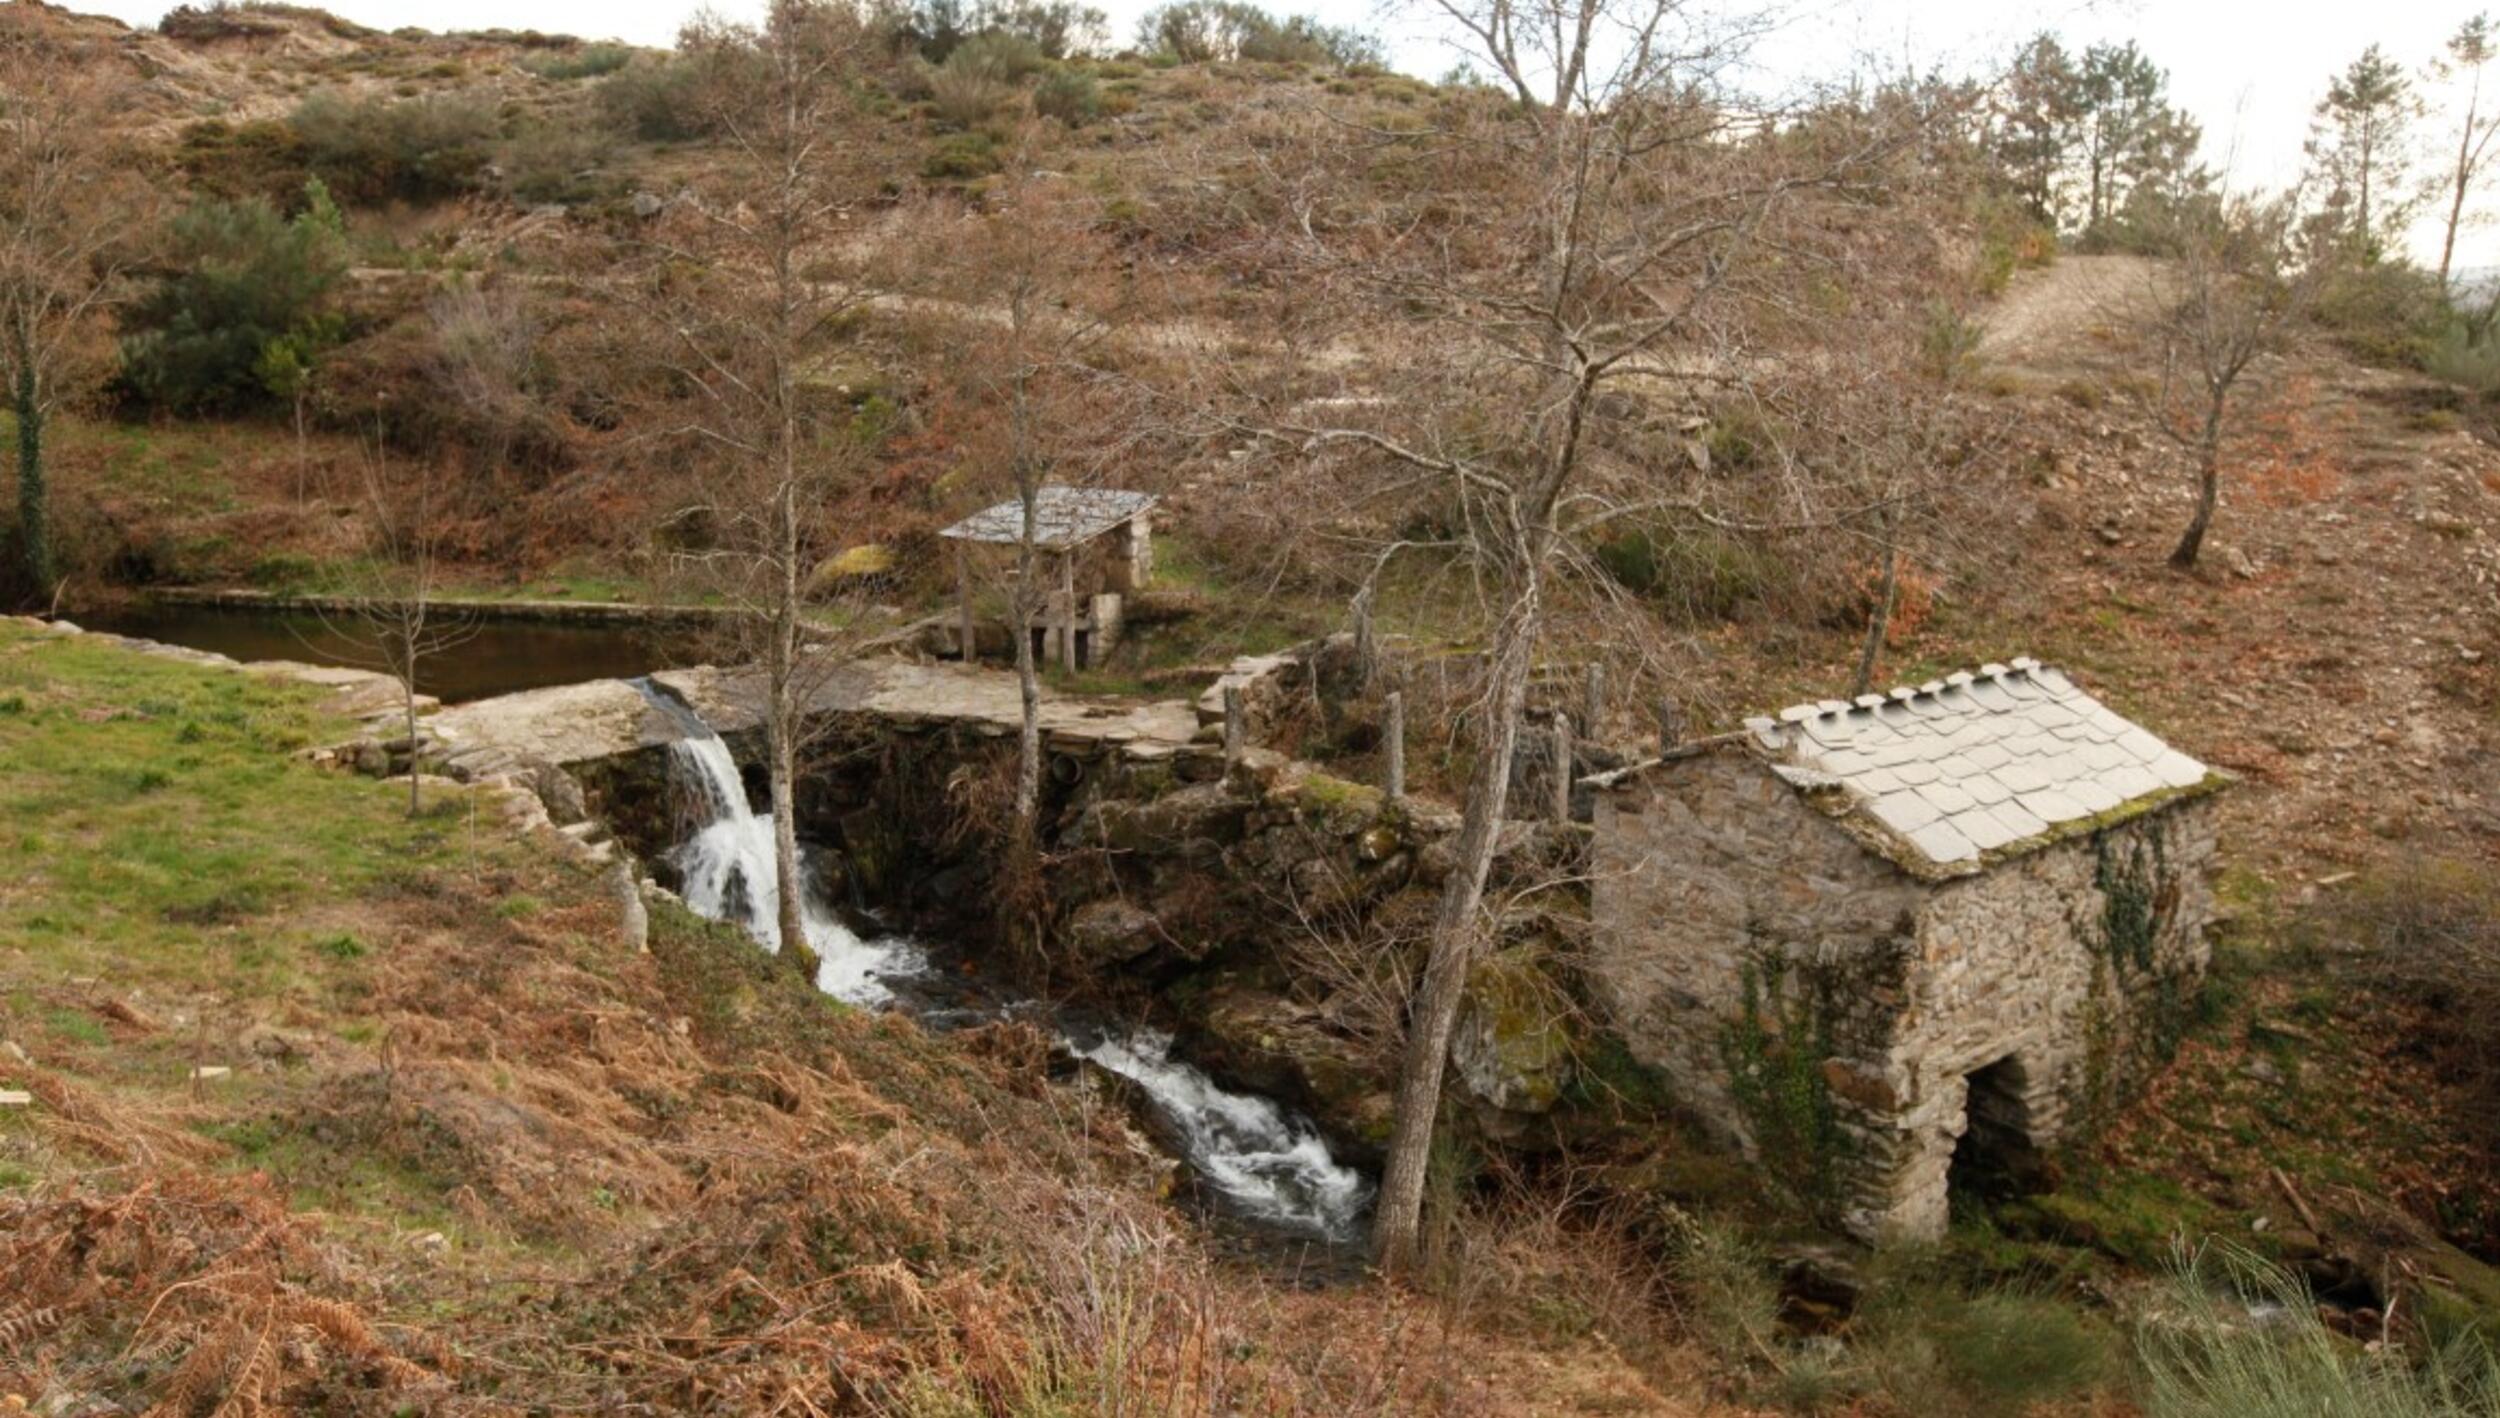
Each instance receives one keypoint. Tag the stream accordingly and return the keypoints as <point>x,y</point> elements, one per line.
<point>1263,1163</point>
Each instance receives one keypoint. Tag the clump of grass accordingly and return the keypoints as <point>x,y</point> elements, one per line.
<point>1944,1351</point>
<point>2237,1337</point>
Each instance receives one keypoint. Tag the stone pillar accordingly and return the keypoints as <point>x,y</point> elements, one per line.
<point>1393,739</point>
<point>970,645</point>
<point>1110,614</point>
<point>1139,563</point>
<point>1067,610</point>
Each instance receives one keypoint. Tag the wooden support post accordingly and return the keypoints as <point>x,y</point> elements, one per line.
<point>1366,648</point>
<point>1393,739</point>
<point>1562,766</point>
<point>1067,611</point>
<point>1236,732</point>
<point>1593,701</point>
<point>1670,725</point>
<point>963,600</point>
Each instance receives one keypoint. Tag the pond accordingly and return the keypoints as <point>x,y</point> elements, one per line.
<point>500,654</point>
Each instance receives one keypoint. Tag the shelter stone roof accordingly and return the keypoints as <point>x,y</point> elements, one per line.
<point>1063,517</point>
<point>1973,763</point>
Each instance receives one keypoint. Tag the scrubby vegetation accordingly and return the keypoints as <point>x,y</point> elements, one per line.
<point>244,308</point>
<point>470,1149</point>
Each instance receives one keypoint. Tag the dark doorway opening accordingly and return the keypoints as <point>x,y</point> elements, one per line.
<point>1996,1158</point>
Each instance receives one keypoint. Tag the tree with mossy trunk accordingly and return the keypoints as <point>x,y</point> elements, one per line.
<point>65,213</point>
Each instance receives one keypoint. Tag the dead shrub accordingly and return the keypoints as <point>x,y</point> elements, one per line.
<point>199,1293</point>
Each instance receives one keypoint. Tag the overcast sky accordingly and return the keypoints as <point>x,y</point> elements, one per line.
<point>2249,70</point>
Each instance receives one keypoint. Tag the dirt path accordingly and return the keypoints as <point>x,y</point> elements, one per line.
<point>2045,319</point>
<point>2337,649</point>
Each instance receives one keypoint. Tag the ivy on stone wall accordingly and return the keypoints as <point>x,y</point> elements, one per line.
<point>2139,894</point>
<point>1774,1051</point>
<point>2133,889</point>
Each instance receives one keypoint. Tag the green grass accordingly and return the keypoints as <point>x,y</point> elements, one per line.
<point>162,830</point>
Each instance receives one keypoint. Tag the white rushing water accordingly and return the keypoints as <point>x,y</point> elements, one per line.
<point>1270,1164</point>
<point>729,876</point>
<point>1267,1163</point>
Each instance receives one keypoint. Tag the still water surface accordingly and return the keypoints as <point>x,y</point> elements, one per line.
<point>499,655</point>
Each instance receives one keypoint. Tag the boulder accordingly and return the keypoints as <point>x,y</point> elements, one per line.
<point>1206,811</point>
<point>560,791</point>
<point>1112,931</point>
<point>633,924</point>
<point>1282,1047</point>
<point>1512,1046</point>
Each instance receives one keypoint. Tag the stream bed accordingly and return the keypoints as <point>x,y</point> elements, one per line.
<point>1261,1163</point>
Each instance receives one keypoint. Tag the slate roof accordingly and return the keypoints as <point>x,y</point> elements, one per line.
<point>1973,762</point>
<point>1063,517</point>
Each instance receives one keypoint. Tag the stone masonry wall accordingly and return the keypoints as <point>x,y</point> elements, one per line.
<point>1753,953</point>
<point>1823,1008</point>
<point>2077,962</point>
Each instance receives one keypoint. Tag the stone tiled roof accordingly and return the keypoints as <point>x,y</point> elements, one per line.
<point>1973,763</point>
<point>1062,517</point>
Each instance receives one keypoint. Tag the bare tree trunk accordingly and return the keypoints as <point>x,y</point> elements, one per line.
<point>1028,686</point>
<point>33,533</point>
<point>2208,493</point>
<point>1029,496</point>
<point>1457,932</point>
<point>408,703</point>
<point>2456,205</point>
<point>782,717</point>
<point>1880,623</point>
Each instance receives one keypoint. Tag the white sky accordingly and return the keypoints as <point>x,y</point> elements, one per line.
<point>2250,71</point>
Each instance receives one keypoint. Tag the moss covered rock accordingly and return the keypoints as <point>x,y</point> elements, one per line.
<point>1513,1046</point>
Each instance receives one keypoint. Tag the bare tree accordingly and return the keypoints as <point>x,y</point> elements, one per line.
<point>2470,52</point>
<point>64,213</point>
<point>1048,299</point>
<point>1575,261</point>
<point>2246,269</point>
<point>739,286</point>
<point>387,611</point>
<point>485,340</point>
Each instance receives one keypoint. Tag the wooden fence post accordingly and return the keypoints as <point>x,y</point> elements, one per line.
<point>1235,731</point>
<point>1670,725</point>
<point>1366,648</point>
<point>1593,700</point>
<point>1562,766</point>
<point>1394,734</point>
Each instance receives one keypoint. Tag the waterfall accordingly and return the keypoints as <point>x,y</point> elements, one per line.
<point>729,873</point>
<point>1272,1165</point>
<point>1267,1163</point>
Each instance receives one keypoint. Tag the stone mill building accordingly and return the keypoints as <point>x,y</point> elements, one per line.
<point>1895,946</point>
